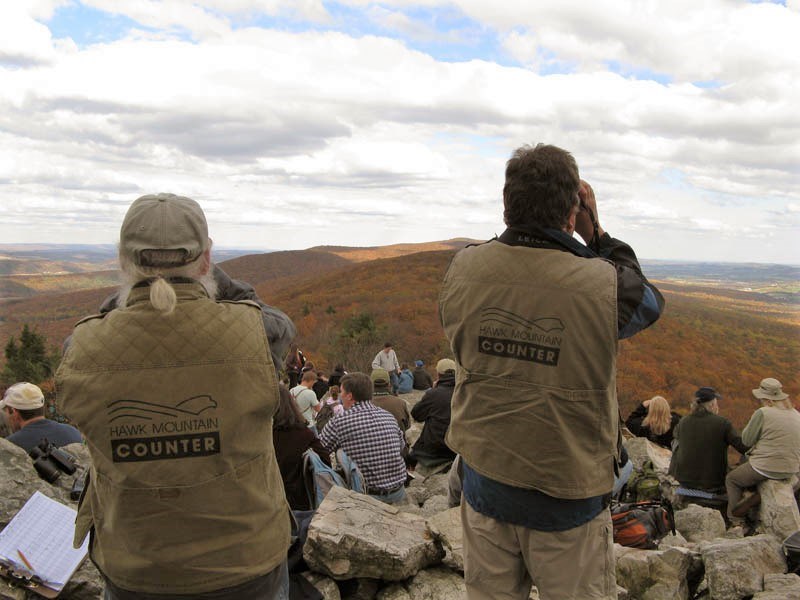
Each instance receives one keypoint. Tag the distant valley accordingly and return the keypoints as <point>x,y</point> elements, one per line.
<point>726,325</point>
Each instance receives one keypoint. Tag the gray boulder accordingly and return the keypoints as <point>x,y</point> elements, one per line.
<point>698,523</point>
<point>736,568</point>
<point>353,535</point>
<point>446,528</point>
<point>641,449</point>
<point>437,584</point>
<point>779,587</point>
<point>777,513</point>
<point>654,574</point>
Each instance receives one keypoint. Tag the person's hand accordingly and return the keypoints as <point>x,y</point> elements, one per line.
<point>588,211</point>
<point>646,403</point>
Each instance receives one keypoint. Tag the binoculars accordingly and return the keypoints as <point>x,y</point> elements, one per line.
<point>50,462</point>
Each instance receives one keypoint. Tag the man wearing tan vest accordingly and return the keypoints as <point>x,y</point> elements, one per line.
<point>533,318</point>
<point>174,393</point>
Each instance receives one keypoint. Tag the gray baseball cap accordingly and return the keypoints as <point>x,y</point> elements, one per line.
<point>163,222</point>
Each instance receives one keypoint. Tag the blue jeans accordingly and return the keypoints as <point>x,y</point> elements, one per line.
<point>392,497</point>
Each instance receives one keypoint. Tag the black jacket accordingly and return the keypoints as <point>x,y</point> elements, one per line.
<point>434,411</point>
<point>634,424</point>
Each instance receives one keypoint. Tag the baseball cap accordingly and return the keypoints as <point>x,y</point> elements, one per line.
<point>23,396</point>
<point>770,389</point>
<point>445,365</point>
<point>380,377</point>
<point>163,222</point>
<point>706,394</point>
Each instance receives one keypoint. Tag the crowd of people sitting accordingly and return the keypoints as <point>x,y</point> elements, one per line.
<point>363,415</point>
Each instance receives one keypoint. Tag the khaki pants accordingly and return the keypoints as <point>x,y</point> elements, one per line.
<point>502,561</point>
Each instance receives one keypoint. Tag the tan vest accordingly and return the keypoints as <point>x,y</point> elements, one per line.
<point>777,450</point>
<point>534,335</point>
<point>185,494</point>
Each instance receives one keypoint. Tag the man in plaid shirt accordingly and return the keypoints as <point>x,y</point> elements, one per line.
<point>370,437</point>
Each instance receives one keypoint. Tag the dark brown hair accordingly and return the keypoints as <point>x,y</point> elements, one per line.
<point>288,415</point>
<point>541,187</point>
<point>358,384</point>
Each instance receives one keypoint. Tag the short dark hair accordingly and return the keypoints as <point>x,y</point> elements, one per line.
<point>358,384</point>
<point>387,344</point>
<point>288,415</point>
<point>541,187</point>
<point>27,415</point>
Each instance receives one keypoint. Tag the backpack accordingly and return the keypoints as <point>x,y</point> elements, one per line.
<point>644,485</point>
<point>319,478</point>
<point>642,524</point>
<point>324,415</point>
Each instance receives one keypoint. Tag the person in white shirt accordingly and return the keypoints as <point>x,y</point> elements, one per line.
<point>305,397</point>
<point>387,359</point>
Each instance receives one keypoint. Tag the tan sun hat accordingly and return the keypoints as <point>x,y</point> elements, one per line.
<point>445,365</point>
<point>770,389</point>
<point>23,396</point>
<point>163,222</point>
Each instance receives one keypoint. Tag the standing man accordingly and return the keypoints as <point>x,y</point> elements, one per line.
<point>175,394</point>
<point>23,409</point>
<point>371,438</point>
<point>533,318</point>
<point>387,359</point>
<point>305,398</point>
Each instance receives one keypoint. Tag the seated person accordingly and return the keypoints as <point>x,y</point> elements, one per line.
<point>383,398</point>
<point>773,435</point>
<point>653,420</point>
<point>23,409</point>
<point>434,411</point>
<point>700,446</point>
<point>422,379</point>
<point>291,438</point>
<point>371,438</point>
<point>405,380</point>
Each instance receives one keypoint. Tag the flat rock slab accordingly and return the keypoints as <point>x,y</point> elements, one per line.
<point>353,535</point>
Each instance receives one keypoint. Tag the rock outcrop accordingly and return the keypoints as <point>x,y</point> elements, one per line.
<point>359,548</point>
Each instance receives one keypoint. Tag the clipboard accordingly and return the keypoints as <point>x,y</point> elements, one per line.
<point>21,579</point>
<point>36,550</point>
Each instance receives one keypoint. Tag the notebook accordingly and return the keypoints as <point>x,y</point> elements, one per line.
<point>36,546</point>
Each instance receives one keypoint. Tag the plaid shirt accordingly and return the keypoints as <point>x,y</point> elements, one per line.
<point>370,437</point>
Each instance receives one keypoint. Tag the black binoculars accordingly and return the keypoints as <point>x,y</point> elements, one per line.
<point>50,462</point>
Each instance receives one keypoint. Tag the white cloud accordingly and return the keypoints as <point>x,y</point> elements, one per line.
<point>285,136</point>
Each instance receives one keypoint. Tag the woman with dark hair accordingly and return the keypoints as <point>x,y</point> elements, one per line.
<point>337,374</point>
<point>292,437</point>
<point>293,364</point>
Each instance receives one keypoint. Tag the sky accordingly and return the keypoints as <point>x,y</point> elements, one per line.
<point>298,123</point>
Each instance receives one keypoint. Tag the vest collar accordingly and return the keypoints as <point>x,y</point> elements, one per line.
<point>532,236</point>
<point>185,289</point>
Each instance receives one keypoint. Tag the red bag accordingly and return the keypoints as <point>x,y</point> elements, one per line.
<point>642,524</point>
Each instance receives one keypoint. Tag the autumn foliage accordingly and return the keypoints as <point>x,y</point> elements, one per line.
<point>347,302</point>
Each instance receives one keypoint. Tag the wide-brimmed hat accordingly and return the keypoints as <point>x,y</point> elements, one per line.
<point>706,394</point>
<point>770,389</point>
<point>23,396</point>
<point>163,222</point>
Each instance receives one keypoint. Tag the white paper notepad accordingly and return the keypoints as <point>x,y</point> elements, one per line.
<point>41,534</point>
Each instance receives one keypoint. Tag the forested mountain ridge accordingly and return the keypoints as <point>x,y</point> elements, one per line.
<point>347,302</point>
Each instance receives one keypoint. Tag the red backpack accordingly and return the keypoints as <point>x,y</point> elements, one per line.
<point>642,524</point>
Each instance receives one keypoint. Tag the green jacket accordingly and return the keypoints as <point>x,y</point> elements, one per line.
<point>534,335</point>
<point>185,493</point>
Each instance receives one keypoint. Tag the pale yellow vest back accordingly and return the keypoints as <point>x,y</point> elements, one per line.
<point>185,494</point>
<point>534,335</point>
